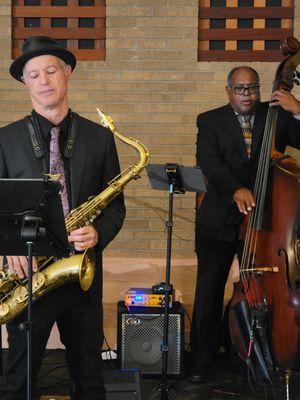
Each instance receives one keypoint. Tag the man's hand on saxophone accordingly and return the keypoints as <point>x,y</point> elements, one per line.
<point>19,265</point>
<point>84,237</point>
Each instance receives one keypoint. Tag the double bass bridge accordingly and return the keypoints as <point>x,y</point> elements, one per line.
<point>260,269</point>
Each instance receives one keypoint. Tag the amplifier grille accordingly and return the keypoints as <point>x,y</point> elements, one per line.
<point>140,340</point>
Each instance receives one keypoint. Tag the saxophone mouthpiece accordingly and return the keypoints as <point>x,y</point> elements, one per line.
<point>105,120</point>
<point>102,117</point>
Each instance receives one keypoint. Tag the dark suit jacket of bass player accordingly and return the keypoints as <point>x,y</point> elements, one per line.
<point>93,164</point>
<point>222,155</point>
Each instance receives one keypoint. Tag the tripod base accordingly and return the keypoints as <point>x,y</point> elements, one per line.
<point>162,392</point>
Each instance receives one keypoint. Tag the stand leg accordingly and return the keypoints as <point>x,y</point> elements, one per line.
<point>163,390</point>
<point>28,324</point>
<point>29,232</point>
<point>164,393</point>
<point>29,331</point>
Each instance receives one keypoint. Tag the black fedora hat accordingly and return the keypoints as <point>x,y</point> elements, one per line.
<point>38,46</point>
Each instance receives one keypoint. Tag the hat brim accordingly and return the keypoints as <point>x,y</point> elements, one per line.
<point>16,68</point>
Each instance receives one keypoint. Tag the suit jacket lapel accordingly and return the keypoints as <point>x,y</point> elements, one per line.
<point>77,162</point>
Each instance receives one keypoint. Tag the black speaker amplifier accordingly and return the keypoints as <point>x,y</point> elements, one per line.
<point>140,337</point>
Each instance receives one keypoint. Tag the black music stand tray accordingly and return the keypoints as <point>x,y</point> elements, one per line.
<point>31,224</point>
<point>176,179</point>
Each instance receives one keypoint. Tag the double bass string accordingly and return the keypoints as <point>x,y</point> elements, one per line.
<point>255,219</point>
<point>260,191</point>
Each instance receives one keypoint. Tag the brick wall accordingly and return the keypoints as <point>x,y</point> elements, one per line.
<point>153,87</point>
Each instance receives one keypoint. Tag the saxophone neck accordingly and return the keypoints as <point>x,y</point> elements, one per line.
<point>107,122</point>
<point>88,211</point>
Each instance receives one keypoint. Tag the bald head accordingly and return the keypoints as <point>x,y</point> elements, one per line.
<point>243,68</point>
<point>243,89</point>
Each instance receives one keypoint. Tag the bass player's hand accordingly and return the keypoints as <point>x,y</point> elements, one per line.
<point>244,200</point>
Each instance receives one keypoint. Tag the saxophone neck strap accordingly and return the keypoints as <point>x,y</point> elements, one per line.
<point>72,134</point>
<point>35,135</point>
<point>33,128</point>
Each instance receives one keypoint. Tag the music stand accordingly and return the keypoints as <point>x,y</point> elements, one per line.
<point>175,179</point>
<point>31,224</point>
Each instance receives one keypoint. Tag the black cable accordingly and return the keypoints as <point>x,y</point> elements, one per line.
<point>106,342</point>
<point>108,349</point>
<point>188,344</point>
<point>110,360</point>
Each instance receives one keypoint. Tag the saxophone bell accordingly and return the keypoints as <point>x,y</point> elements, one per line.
<point>79,267</point>
<point>87,270</point>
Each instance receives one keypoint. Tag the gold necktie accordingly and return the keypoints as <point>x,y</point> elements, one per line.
<point>247,132</point>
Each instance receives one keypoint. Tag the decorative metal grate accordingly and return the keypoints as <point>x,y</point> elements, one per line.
<point>243,30</point>
<point>78,25</point>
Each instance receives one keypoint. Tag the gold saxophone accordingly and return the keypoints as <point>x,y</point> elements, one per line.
<point>54,273</point>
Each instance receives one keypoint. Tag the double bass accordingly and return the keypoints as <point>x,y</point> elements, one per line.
<point>264,317</point>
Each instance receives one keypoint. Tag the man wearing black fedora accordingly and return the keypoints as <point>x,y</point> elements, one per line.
<point>90,162</point>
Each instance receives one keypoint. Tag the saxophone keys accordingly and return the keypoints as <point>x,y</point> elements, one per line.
<point>6,285</point>
<point>19,294</point>
<point>94,215</point>
<point>38,281</point>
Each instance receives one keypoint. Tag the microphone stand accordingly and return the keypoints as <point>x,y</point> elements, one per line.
<point>174,186</point>
<point>175,179</point>
<point>29,233</point>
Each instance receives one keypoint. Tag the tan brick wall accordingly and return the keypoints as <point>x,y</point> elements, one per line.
<point>153,87</point>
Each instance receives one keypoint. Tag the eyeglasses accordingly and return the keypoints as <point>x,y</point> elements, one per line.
<point>252,89</point>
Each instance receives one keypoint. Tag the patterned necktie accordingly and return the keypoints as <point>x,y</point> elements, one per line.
<point>247,132</point>
<point>57,168</point>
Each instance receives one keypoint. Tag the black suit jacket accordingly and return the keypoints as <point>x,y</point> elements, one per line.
<point>222,155</point>
<point>93,164</point>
